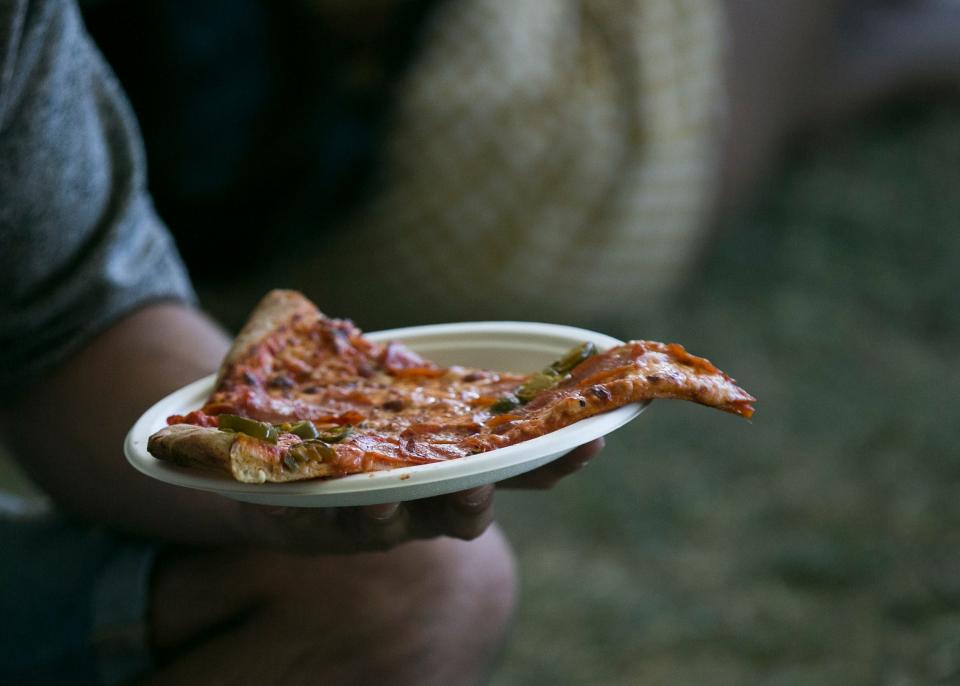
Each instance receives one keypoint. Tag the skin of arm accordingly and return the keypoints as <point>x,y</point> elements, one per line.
<point>68,429</point>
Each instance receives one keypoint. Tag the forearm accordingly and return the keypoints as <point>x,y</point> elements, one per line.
<point>68,429</point>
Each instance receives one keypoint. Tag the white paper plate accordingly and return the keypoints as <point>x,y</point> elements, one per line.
<point>506,346</point>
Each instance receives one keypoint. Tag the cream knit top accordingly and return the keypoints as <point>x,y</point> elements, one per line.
<point>548,160</point>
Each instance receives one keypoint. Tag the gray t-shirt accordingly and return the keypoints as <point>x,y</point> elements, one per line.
<point>80,242</point>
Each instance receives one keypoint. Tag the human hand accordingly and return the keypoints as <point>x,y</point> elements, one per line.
<point>464,515</point>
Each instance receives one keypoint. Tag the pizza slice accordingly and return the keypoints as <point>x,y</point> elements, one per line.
<point>303,396</point>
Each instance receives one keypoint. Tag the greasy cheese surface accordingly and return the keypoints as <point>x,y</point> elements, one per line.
<point>405,410</point>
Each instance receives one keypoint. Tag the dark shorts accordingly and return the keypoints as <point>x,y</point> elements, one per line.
<point>73,604</point>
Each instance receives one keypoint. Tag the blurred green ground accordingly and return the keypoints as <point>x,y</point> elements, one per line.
<point>819,544</point>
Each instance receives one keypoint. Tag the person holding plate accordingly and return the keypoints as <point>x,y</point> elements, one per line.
<point>128,578</point>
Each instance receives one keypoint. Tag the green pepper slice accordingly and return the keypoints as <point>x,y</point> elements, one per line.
<point>505,404</point>
<point>545,380</point>
<point>573,357</point>
<point>536,384</point>
<point>336,434</point>
<point>312,450</point>
<point>250,427</point>
<point>305,429</point>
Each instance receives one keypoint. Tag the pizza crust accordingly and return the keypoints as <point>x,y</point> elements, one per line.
<point>277,309</point>
<point>254,462</point>
<point>192,446</point>
<point>249,460</point>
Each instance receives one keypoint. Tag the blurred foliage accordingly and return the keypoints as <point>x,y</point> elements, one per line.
<point>819,544</point>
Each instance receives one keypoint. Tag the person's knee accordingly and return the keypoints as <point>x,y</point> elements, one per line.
<point>432,612</point>
<point>471,586</point>
<point>429,612</point>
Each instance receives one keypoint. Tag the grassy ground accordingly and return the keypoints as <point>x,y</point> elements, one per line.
<point>819,544</point>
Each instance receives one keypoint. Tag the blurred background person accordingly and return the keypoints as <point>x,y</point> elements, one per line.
<point>434,160</point>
